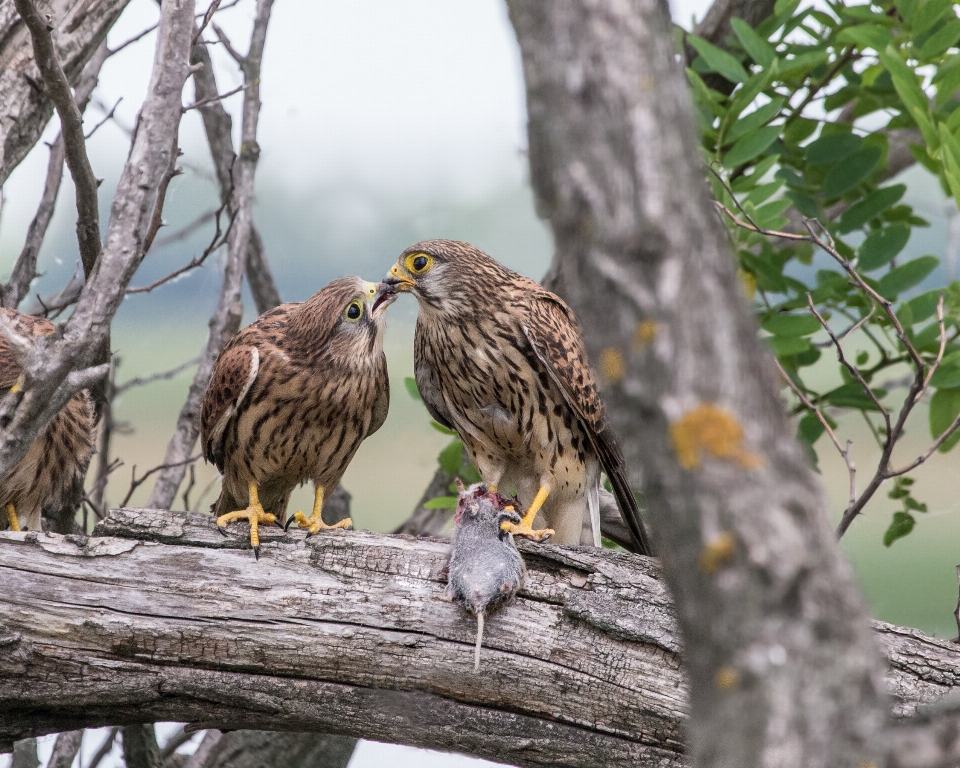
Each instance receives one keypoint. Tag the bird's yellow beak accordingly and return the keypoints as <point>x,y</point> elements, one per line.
<point>397,278</point>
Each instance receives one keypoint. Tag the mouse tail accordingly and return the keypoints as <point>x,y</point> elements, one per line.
<point>476,653</point>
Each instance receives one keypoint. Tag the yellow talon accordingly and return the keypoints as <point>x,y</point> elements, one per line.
<point>525,526</point>
<point>254,515</point>
<point>314,523</point>
<point>12,517</point>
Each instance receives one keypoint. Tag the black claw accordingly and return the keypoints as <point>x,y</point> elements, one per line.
<point>223,531</point>
<point>286,525</point>
<point>309,534</point>
<point>256,552</point>
<point>280,525</point>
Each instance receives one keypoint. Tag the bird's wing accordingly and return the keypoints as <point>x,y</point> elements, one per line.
<point>234,373</point>
<point>554,333</point>
<point>427,384</point>
<point>25,325</point>
<point>382,404</point>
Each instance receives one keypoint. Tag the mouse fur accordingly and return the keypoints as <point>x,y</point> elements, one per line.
<point>485,570</point>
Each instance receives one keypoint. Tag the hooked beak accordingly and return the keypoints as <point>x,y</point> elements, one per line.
<point>396,278</point>
<point>386,295</point>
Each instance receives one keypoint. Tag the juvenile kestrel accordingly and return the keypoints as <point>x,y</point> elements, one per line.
<point>50,477</point>
<point>501,360</point>
<point>291,398</point>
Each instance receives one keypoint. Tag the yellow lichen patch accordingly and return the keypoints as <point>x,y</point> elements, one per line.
<point>727,678</point>
<point>748,282</point>
<point>612,365</point>
<point>868,764</point>
<point>712,429</point>
<point>644,333</point>
<point>719,551</point>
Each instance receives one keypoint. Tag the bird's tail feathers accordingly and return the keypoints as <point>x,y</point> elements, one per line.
<point>630,511</point>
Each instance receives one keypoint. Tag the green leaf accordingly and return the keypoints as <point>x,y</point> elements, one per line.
<point>751,145</point>
<point>810,428</point>
<point>902,524</point>
<point>947,376</point>
<point>831,149</point>
<point>947,86</point>
<point>754,120</point>
<point>411,385</point>
<point>914,505</point>
<point>799,129</point>
<point>870,206</point>
<point>802,64</point>
<point>909,90</point>
<point>791,325</point>
<point>785,346</point>
<point>442,429</point>
<point>719,60</point>
<point>747,94</point>
<point>846,175</point>
<point>759,49</point>
<point>928,13</point>
<point>852,395</point>
<point>944,409</point>
<point>866,36</point>
<point>924,306</point>
<point>442,502</point>
<point>764,192</point>
<point>451,457</point>
<point>907,275</point>
<point>945,37</point>
<point>882,246</point>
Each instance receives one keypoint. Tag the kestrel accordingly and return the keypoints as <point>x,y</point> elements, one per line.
<point>291,398</point>
<point>50,477</point>
<point>501,360</point>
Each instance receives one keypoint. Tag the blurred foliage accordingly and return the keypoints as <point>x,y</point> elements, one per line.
<point>807,120</point>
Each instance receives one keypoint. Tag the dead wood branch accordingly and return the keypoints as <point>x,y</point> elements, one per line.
<point>57,366</point>
<point>226,318</point>
<point>359,643</point>
<point>78,29</point>
<point>71,124</point>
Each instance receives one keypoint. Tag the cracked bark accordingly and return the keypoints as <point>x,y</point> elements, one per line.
<point>346,633</point>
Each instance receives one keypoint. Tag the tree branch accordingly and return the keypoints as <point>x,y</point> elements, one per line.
<point>88,641</point>
<point>79,29</point>
<point>226,318</point>
<point>48,366</point>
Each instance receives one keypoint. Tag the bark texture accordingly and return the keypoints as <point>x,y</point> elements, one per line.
<point>783,669</point>
<point>162,618</point>
<point>78,28</point>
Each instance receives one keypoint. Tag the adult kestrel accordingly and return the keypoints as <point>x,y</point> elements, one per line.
<point>501,360</point>
<point>50,477</point>
<point>291,398</point>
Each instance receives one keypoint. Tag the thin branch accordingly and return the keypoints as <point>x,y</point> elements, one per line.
<point>218,97</point>
<point>162,376</point>
<point>107,117</point>
<point>105,748</point>
<point>228,47</point>
<point>207,17</point>
<point>174,743</point>
<point>188,229</point>
<point>71,121</point>
<point>943,347</point>
<point>136,482</point>
<point>134,39</point>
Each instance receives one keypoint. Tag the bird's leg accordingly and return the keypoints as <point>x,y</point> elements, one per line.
<point>314,523</point>
<point>12,517</point>
<point>253,514</point>
<point>525,526</point>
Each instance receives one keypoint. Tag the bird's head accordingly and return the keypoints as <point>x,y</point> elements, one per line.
<point>350,313</point>
<point>438,272</point>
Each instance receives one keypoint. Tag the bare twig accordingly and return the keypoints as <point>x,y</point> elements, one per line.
<point>226,317</point>
<point>106,118</point>
<point>218,239</point>
<point>218,97</point>
<point>225,42</point>
<point>71,121</point>
<point>179,738</point>
<point>188,229</point>
<point>162,376</point>
<point>207,17</point>
<point>105,748</point>
<point>136,482</point>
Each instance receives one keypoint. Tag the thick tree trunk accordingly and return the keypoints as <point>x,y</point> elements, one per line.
<point>165,619</point>
<point>78,28</point>
<point>783,668</point>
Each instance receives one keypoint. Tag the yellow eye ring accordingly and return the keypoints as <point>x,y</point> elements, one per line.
<point>354,311</point>
<point>418,263</point>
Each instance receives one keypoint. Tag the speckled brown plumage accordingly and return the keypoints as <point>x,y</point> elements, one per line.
<point>501,360</point>
<point>293,395</point>
<point>50,477</point>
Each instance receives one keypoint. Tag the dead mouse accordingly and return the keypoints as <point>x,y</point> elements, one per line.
<point>485,569</point>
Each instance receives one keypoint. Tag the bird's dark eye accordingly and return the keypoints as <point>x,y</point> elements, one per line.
<point>353,311</point>
<point>419,263</point>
